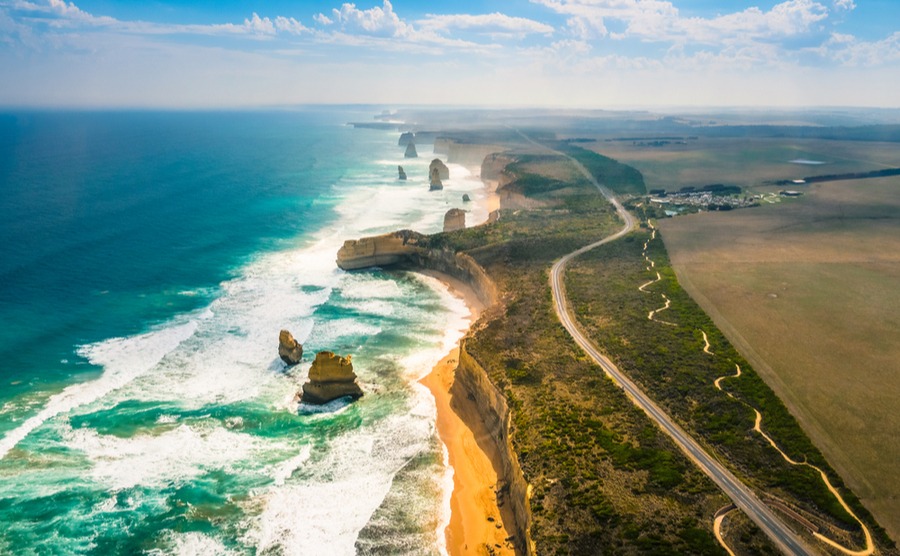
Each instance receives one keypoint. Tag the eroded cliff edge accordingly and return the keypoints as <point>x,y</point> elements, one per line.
<point>406,249</point>
<point>409,250</point>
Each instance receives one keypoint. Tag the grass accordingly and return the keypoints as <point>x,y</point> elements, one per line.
<point>809,292</point>
<point>604,479</point>
<point>747,162</point>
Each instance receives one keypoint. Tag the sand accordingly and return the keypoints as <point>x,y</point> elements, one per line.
<point>475,519</point>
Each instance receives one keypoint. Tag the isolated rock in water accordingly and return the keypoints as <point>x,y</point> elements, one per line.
<point>443,171</point>
<point>401,173</point>
<point>330,377</point>
<point>466,198</point>
<point>455,219</point>
<point>406,139</point>
<point>411,151</point>
<point>436,184</point>
<point>290,351</point>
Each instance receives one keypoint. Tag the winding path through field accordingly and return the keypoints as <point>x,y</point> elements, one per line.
<point>870,548</point>
<point>780,534</point>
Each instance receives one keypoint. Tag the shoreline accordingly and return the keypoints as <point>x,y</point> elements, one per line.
<point>475,516</point>
<point>476,525</point>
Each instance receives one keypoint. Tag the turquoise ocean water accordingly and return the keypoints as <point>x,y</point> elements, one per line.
<point>147,263</point>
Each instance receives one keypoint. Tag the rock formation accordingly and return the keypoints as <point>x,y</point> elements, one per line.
<point>401,173</point>
<point>380,250</point>
<point>406,138</point>
<point>443,171</point>
<point>330,377</point>
<point>436,184</point>
<point>289,349</point>
<point>466,198</point>
<point>455,219</point>
<point>411,151</point>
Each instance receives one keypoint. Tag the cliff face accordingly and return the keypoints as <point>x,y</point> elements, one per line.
<point>411,151</point>
<point>472,382</point>
<point>455,219</point>
<point>435,180</point>
<point>469,155</point>
<point>384,250</point>
<point>407,249</point>
<point>493,165</point>
<point>330,377</point>
<point>443,171</point>
<point>290,351</point>
<point>406,138</point>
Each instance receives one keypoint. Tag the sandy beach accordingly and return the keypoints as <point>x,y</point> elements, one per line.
<point>475,521</point>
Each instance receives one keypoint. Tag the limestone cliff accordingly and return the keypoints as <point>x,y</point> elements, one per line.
<point>406,138</point>
<point>443,171</point>
<point>471,382</point>
<point>330,377</point>
<point>289,349</point>
<point>494,164</point>
<point>407,250</point>
<point>401,175</point>
<point>411,151</point>
<point>435,180</point>
<point>455,219</point>
<point>384,250</point>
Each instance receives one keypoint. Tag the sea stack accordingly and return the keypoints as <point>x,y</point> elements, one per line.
<point>290,351</point>
<point>330,377</point>
<point>455,219</point>
<point>443,171</point>
<point>436,184</point>
<point>411,151</point>
<point>401,174</point>
<point>466,198</point>
<point>406,138</point>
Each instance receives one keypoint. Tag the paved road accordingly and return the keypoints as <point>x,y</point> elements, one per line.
<point>785,539</point>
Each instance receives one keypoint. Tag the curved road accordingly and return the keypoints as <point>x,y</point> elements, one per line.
<point>783,537</point>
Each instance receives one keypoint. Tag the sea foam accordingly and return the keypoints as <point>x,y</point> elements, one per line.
<point>332,470</point>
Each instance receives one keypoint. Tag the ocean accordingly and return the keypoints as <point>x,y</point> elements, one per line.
<point>148,261</point>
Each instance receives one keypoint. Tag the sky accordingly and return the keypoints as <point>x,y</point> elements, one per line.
<point>548,53</point>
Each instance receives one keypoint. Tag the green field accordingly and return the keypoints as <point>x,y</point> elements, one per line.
<point>747,162</point>
<point>807,291</point>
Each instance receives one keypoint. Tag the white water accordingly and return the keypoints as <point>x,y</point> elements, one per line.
<point>317,495</point>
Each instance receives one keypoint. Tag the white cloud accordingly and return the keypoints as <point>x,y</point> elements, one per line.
<point>658,20</point>
<point>381,21</point>
<point>844,5</point>
<point>322,19</point>
<point>791,18</point>
<point>259,25</point>
<point>289,25</point>
<point>490,23</point>
<point>850,51</point>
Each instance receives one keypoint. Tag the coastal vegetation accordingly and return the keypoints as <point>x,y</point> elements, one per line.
<point>670,364</point>
<point>603,477</point>
<point>599,471</point>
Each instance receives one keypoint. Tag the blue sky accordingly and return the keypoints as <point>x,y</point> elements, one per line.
<point>564,53</point>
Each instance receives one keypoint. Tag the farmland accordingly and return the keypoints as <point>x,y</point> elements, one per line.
<point>806,289</point>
